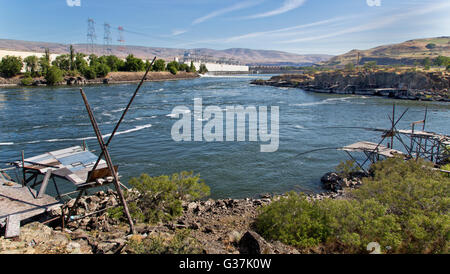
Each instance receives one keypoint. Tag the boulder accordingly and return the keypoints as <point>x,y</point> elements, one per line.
<point>253,243</point>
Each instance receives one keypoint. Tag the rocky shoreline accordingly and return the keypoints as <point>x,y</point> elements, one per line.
<point>432,86</point>
<point>222,226</point>
<point>111,78</point>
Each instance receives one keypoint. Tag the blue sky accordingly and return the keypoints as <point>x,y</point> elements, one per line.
<point>299,26</point>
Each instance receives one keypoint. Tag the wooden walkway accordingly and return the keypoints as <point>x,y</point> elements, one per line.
<point>19,203</point>
<point>372,148</point>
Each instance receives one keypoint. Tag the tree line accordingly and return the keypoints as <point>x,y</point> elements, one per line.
<point>89,66</point>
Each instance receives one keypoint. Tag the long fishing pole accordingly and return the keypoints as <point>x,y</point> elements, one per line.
<point>123,115</point>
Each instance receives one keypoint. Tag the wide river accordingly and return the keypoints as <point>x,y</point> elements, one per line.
<point>38,120</point>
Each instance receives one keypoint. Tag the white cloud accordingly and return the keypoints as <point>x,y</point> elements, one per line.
<point>178,32</point>
<point>288,5</point>
<point>376,24</point>
<point>216,13</point>
<point>73,3</point>
<point>285,31</point>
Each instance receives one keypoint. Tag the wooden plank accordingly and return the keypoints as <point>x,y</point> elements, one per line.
<point>44,185</point>
<point>101,173</point>
<point>12,226</point>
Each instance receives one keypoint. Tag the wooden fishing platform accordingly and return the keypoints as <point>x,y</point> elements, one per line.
<point>369,147</point>
<point>18,203</point>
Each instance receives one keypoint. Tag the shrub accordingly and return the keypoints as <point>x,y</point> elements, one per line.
<point>134,64</point>
<point>403,206</point>
<point>90,72</point>
<point>160,198</point>
<point>347,169</point>
<point>102,70</point>
<point>192,67</point>
<point>32,63</point>
<point>431,46</point>
<point>202,69</point>
<point>180,243</point>
<point>10,66</point>
<point>54,75</point>
<point>159,65</point>
<point>26,81</point>
<point>172,67</point>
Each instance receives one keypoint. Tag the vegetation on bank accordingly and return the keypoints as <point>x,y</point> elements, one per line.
<point>403,207</point>
<point>156,199</point>
<point>79,64</point>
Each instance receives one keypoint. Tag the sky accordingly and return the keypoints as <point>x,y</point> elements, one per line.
<point>297,26</point>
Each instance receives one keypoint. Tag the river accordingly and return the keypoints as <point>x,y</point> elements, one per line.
<point>42,119</point>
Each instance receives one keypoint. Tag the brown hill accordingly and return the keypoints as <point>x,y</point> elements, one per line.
<point>406,53</point>
<point>245,56</point>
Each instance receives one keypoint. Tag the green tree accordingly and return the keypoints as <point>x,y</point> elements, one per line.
<point>184,67</point>
<point>62,62</point>
<point>371,65</point>
<point>10,66</point>
<point>442,61</point>
<point>160,198</point>
<point>349,67</point>
<point>32,64</point>
<point>426,63</point>
<point>44,61</point>
<point>114,63</point>
<point>202,69</point>
<point>173,67</point>
<point>54,76</point>
<point>431,46</point>
<point>72,58</point>
<point>102,70</point>
<point>80,63</point>
<point>134,64</point>
<point>90,72</point>
<point>192,67</point>
<point>159,65</point>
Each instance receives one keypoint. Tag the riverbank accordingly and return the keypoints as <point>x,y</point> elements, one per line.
<point>112,78</point>
<point>432,86</point>
<point>222,226</point>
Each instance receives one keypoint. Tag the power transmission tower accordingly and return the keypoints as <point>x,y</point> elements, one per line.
<point>121,40</point>
<point>107,40</point>
<point>91,36</point>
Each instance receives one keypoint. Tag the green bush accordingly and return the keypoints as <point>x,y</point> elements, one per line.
<point>403,207</point>
<point>10,66</point>
<point>155,199</point>
<point>102,70</point>
<point>159,65</point>
<point>54,75</point>
<point>90,72</point>
<point>26,81</point>
<point>180,243</point>
<point>172,67</point>
<point>202,69</point>
<point>134,64</point>
<point>347,169</point>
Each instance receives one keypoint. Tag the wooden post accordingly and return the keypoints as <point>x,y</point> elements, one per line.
<point>123,115</point>
<point>108,161</point>
<point>44,184</point>
<point>23,168</point>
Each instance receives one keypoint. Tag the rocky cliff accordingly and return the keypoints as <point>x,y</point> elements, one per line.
<point>403,85</point>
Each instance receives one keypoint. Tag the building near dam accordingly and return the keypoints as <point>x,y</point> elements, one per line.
<point>214,65</point>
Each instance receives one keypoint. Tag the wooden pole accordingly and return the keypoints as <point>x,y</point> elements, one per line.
<point>23,168</point>
<point>108,160</point>
<point>123,115</point>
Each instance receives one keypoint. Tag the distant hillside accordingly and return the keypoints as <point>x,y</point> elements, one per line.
<point>406,53</point>
<point>245,56</point>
